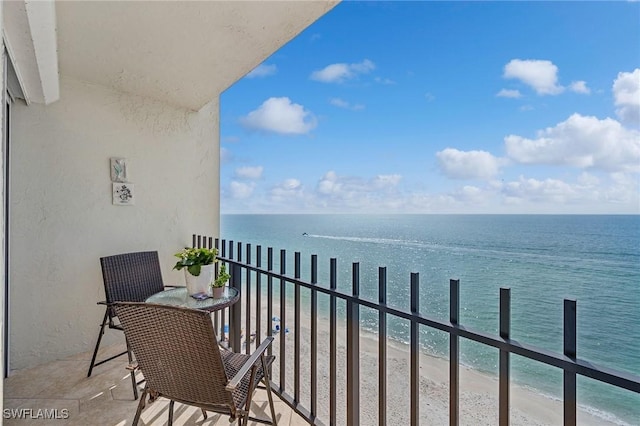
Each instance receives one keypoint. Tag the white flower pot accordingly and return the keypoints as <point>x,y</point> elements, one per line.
<point>200,284</point>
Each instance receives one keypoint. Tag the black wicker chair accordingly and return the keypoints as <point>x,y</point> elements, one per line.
<point>129,277</point>
<point>176,349</point>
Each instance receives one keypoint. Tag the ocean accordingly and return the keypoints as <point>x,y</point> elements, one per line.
<point>594,259</point>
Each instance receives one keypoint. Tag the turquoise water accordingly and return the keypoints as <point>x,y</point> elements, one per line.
<point>542,258</point>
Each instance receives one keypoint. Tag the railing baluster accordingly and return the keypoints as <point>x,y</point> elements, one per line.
<point>504,378</point>
<point>235,311</point>
<point>415,350</point>
<point>454,353</point>
<point>247,286</point>
<point>258,296</point>
<point>270,297</point>
<point>353,350</point>
<point>283,320</point>
<point>314,337</point>
<point>382,347</point>
<point>225,320</point>
<point>296,335</point>
<point>223,245</point>
<point>216,315</point>
<point>333,284</point>
<point>570,350</point>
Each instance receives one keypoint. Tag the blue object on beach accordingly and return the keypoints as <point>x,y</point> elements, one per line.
<point>226,328</point>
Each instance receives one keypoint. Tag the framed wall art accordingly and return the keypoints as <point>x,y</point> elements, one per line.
<point>123,194</point>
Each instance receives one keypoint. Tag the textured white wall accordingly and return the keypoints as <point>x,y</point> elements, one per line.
<point>63,219</point>
<point>2,218</point>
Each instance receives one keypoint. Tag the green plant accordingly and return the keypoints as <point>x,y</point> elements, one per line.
<point>222,278</point>
<point>194,258</point>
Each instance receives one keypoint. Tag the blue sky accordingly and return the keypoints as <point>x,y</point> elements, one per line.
<point>441,107</point>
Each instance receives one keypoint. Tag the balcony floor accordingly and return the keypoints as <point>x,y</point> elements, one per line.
<point>106,398</point>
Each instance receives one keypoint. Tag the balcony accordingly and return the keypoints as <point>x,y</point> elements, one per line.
<point>329,369</point>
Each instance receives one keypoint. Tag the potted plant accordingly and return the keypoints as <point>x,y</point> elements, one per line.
<point>217,286</point>
<point>198,268</point>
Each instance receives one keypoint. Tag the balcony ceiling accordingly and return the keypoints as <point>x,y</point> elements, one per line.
<point>182,53</point>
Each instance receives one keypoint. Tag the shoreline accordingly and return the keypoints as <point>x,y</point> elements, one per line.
<point>478,391</point>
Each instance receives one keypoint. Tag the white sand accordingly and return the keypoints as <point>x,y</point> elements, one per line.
<point>478,392</point>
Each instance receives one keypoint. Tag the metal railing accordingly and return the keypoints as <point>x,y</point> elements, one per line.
<point>241,259</point>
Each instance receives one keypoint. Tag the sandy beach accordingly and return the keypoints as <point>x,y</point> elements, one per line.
<point>478,391</point>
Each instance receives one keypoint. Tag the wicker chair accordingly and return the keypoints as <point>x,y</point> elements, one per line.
<point>177,351</point>
<point>129,277</point>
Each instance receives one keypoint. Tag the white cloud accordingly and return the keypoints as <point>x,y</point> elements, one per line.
<point>386,181</point>
<point>280,115</point>
<point>468,164</point>
<point>341,103</point>
<point>287,189</point>
<point>584,142</point>
<point>545,191</point>
<point>626,91</point>
<point>429,97</point>
<point>241,190</point>
<point>351,187</point>
<point>262,70</point>
<point>506,93</point>
<point>541,75</point>
<point>248,172</point>
<point>580,87</point>
<point>338,73</point>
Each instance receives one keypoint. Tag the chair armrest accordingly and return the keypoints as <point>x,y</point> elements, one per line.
<point>255,356</point>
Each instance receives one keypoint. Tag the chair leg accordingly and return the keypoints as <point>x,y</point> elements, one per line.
<point>247,407</point>
<point>171,412</point>
<point>141,404</point>
<point>95,351</point>
<point>134,383</point>
<point>204,413</point>
<point>267,383</point>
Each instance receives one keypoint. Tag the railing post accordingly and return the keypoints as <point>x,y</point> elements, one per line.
<point>258,295</point>
<point>270,298</point>
<point>296,331</point>
<point>216,315</point>
<point>283,320</point>
<point>247,298</point>
<point>235,312</point>
<point>454,354</point>
<point>415,350</point>
<point>314,337</point>
<point>353,351</point>
<point>382,347</point>
<point>570,350</point>
<point>333,284</point>
<point>504,378</point>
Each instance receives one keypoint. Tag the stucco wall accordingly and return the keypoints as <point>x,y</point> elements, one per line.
<point>2,218</point>
<point>62,217</point>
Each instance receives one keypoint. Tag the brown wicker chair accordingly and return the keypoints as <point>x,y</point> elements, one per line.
<point>129,277</point>
<point>177,351</point>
